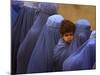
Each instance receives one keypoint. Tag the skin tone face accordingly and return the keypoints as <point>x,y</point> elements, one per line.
<point>68,37</point>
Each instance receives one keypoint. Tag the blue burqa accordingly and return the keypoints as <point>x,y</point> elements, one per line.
<point>59,52</point>
<point>64,49</point>
<point>27,46</point>
<point>84,58</point>
<point>22,25</point>
<point>41,59</point>
<point>82,34</point>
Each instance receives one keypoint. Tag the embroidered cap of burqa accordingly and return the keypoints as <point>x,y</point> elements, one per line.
<point>81,35</point>
<point>41,59</point>
<point>84,58</point>
<point>27,46</point>
<point>23,23</point>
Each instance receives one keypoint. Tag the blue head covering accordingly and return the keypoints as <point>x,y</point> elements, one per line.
<point>49,8</point>
<point>84,57</point>
<point>30,40</point>
<point>81,35</point>
<point>41,59</point>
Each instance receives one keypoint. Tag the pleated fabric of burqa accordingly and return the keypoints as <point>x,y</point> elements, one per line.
<point>22,25</point>
<point>84,58</point>
<point>42,55</point>
<point>27,46</point>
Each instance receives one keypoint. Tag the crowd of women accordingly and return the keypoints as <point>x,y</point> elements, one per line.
<point>38,40</point>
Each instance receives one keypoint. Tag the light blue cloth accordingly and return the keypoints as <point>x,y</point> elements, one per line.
<point>27,46</point>
<point>59,52</point>
<point>84,58</point>
<point>82,34</point>
<point>41,59</point>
